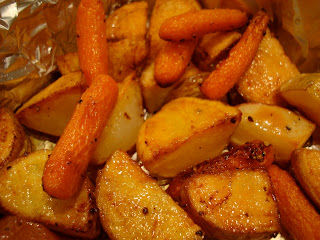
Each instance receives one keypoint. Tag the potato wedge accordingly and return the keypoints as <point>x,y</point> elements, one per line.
<point>303,92</point>
<point>133,206</point>
<point>13,139</point>
<point>21,194</point>
<point>305,165</point>
<point>232,204</point>
<point>186,131</point>
<point>250,155</point>
<point>274,125</point>
<point>269,69</point>
<point>126,36</point>
<point>123,126</point>
<point>12,227</point>
<point>50,110</point>
<point>68,63</point>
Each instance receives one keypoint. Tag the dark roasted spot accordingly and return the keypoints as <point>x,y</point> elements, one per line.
<point>8,167</point>
<point>250,119</point>
<point>145,211</point>
<point>233,120</point>
<point>199,233</point>
<point>78,35</point>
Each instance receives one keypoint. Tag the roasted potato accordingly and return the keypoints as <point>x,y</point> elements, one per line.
<point>12,227</point>
<point>126,36</point>
<point>283,129</point>
<point>50,110</point>
<point>305,164</point>
<point>186,131</point>
<point>123,126</point>
<point>303,92</point>
<point>13,139</point>
<point>133,206</point>
<point>269,69</point>
<point>68,63</point>
<point>21,194</point>
<point>232,204</point>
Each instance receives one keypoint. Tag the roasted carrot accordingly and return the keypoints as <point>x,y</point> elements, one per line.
<point>172,61</point>
<point>195,24</point>
<point>297,214</point>
<point>66,167</point>
<point>91,39</point>
<point>230,70</point>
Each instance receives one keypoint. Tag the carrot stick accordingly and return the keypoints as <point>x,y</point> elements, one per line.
<point>65,169</point>
<point>172,61</point>
<point>195,24</point>
<point>296,213</point>
<point>91,39</point>
<point>230,70</point>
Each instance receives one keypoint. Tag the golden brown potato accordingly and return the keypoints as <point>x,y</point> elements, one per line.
<point>14,228</point>
<point>121,130</point>
<point>133,206</point>
<point>269,69</point>
<point>213,47</point>
<point>305,164</point>
<point>155,96</point>
<point>283,129</point>
<point>303,93</point>
<point>50,110</point>
<point>68,63</point>
<point>21,194</point>
<point>126,35</point>
<point>250,155</point>
<point>13,139</point>
<point>232,204</point>
<point>186,131</point>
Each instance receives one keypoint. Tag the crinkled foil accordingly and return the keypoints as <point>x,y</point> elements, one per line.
<point>34,32</point>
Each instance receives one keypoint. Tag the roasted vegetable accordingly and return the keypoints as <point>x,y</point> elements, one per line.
<point>184,132</point>
<point>283,129</point>
<point>133,206</point>
<point>21,193</point>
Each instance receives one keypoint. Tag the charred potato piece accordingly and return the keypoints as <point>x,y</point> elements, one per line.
<point>283,129</point>
<point>232,204</point>
<point>21,194</point>
<point>305,164</point>
<point>303,92</point>
<point>186,131</point>
<point>126,36</point>
<point>50,110</point>
<point>123,126</point>
<point>133,206</point>
<point>13,139</point>
<point>269,69</point>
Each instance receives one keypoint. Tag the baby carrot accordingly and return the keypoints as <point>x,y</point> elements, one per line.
<point>91,39</point>
<point>297,214</point>
<point>66,167</point>
<point>195,24</point>
<point>172,61</point>
<point>230,70</point>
